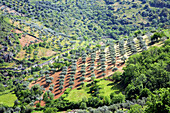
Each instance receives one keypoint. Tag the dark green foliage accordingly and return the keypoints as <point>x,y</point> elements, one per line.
<point>150,69</point>
<point>114,69</point>
<point>117,76</point>
<point>71,83</point>
<point>82,78</point>
<point>157,35</point>
<point>45,96</point>
<point>83,105</point>
<point>34,69</point>
<point>159,102</point>
<point>135,109</point>
<point>86,20</point>
<point>50,110</point>
<point>117,98</point>
<point>38,105</point>
<point>24,94</point>
<point>84,16</point>
<point>2,88</point>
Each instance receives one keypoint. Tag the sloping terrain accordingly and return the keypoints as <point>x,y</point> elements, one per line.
<point>84,56</point>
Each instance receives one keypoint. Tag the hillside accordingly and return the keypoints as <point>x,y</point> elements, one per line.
<point>94,18</point>
<point>96,56</point>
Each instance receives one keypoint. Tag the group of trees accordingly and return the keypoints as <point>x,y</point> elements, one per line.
<point>140,78</point>
<point>113,56</point>
<point>144,73</point>
<point>156,102</point>
<point>9,42</point>
<point>142,43</point>
<point>69,15</point>
<point>147,72</point>
<point>160,3</point>
<point>112,103</point>
<point>14,82</point>
<point>143,79</point>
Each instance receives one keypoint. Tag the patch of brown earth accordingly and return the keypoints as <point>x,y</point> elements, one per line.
<point>26,40</point>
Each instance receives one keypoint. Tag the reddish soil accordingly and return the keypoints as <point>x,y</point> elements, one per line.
<point>26,39</point>
<point>57,92</point>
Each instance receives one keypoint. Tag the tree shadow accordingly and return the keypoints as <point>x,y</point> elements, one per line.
<point>57,93</point>
<point>120,64</point>
<point>89,60</point>
<point>80,81</point>
<point>97,60</point>
<point>79,88</point>
<point>89,81</point>
<point>67,79</point>
<point>111,84</point>
<point>46,85</point>
<point>88,85</point>
<point>42,81</point>
<point>56,86</point>
<point>67,86</point>
<point>110,64</point>
<point>110,68</point>
<point>87,74</point>
<point>99,76</point>
<point>67,82</point>
<point>67,76</point>
<point>77,78</point>
<point>57,83</point>
<point>78,85</point>
<point>88,65</point>
<point>99,72</point>
<point>57,80</point>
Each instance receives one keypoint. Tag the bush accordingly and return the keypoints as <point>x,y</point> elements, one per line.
<point>50,110</point>
<point>117,98</point>
<point>51,88</point>
<point>116,76</point>
<point>38,105</point>
<point>2,88</point>
<point>44,58</point>
<point>114,69</point>
<point>83,105</point>
<point>135,109</point>
<point>67,91</point>
<point>157,35</point>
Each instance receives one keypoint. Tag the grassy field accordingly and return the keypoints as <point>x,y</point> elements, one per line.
<point>78,94</point>
<point>107,87</point>
<point>167,32</point>
<point>37,111</point>
<point>7,98</point>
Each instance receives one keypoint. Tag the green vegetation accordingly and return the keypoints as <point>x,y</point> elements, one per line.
<point>77,95</point>
<point>167,32</point>
<point>136,109</point>
<point>105,89</point>
<point>35,111</point>
<point>96,56</point>
<point>7,98</point>
<point>159,101</point>
<point>148,70</point>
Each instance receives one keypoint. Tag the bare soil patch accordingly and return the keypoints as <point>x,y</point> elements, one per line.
<point>26,40</point>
